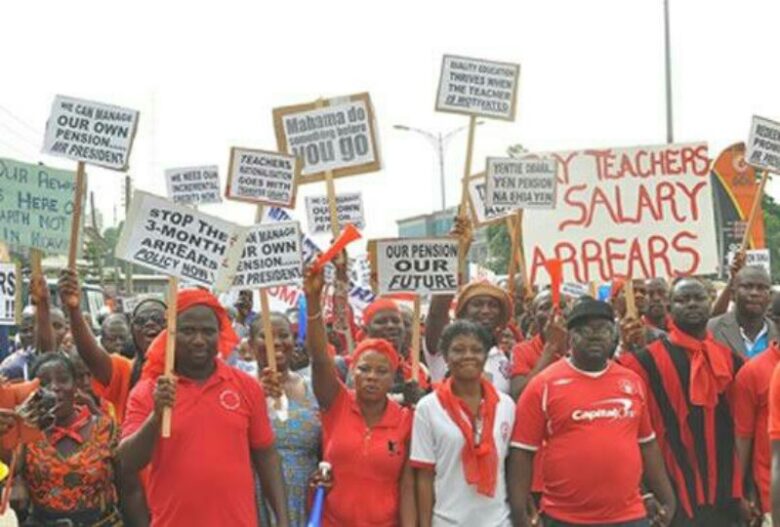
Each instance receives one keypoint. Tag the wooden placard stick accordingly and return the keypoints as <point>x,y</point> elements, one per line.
<point>36,268</point>
<point>462,209</point>
<point>628,294</point>
<point>170,347</point>
<point>521,254</point>
<point>330,187</point>
<point>593,289</point>
<point>18,295</point>
<point>416,339</point>
<point>755,210</point>
<point>511,227</point>
<point>268,330</point>
<point>75,227</point>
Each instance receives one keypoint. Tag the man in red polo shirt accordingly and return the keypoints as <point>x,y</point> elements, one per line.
<point>202,474</point>
<point>592,415</point>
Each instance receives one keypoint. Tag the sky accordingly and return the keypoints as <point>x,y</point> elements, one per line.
<point>206,76</point>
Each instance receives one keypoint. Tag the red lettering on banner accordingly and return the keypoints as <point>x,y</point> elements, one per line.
<point>620,257</point>
<point>644,164</point>
<point>287,294</point>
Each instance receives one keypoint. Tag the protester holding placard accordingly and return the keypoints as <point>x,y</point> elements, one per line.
<point>365,434</point>
<point>115,375</point>
<point>689,378</point>
<point>296,426</point>
<point>460,439</point>
<point>221,417</point>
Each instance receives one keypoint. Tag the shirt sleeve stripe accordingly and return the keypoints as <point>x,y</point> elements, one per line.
<point>643,440</point>
<point>421,464</point>
<point>523,446</point>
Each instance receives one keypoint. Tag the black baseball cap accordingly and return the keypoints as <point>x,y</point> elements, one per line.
<point>587,309</point>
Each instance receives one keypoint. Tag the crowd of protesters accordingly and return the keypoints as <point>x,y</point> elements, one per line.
<point>528,409</point>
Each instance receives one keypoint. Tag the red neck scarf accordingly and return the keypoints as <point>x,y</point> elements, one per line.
<point>154,365</point>
<point>479,461</point>
<point>58,433</point>
<point>711,370</point>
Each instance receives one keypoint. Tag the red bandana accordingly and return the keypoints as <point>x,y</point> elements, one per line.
<point>58,433</point>
<point>187,298</point>
<point>479,461</point>
<point>710,368</point>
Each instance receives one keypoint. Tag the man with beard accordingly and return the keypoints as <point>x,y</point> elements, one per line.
<point>746,329</point>
<point>204,473</point>
<point>689,377</point>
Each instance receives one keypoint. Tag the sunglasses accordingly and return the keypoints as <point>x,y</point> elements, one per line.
<point>142,320</point>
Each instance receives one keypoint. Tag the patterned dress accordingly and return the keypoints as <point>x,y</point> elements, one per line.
<point>298,443</point>
<point>82,481</point>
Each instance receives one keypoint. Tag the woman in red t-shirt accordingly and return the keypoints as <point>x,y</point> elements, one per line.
<point>365,434</point>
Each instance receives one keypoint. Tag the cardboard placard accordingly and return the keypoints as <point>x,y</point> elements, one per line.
<point>478,87</point>
<point>10,293</point>
<point>339,137</point>
<point>263,177</point>
<point>521,183</point>
<point>481,213</point>
<point>194,185</point>
<point>763,147</point>
<point>415,265</point>
<point>758,257</point>
<point>36,206</point>
<point>642,212</point>
<point>349,207</point>
<point>272,256</point>
<point>92,132</point>
<point>180,242</point>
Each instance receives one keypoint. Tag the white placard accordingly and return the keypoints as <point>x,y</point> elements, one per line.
<point>9,293</point>
<point>92,132</point>
<point>422,266</point>
<point>641,211</point>
<point>339,136</point>
<point>763,148</point>
<point>759,257</point>
<point>194,185</point>
<point>272,256</point>
<point>482,213</point>
<point>179,241</point>
<point>349,207</point>
<point>478,87</point>
<point>521,183</point>
<point>262,177</point>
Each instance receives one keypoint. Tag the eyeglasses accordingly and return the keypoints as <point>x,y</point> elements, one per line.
<point>142,320</point>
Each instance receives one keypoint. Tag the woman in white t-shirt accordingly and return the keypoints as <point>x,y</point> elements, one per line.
<point>460,438</point>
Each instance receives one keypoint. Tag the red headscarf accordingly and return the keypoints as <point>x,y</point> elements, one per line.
<point>186,299</point>
<point>380,304</point>
<point>710,368</point>
<point>380,345</point>
<point>479,460</point>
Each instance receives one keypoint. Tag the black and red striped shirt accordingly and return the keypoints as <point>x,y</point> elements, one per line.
<point>697,441</point>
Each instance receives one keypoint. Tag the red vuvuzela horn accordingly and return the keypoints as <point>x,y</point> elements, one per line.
<point>555,270</point>
<point>347,236</point>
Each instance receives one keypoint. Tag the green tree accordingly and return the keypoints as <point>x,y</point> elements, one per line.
<point>499,246</point>
<point>772,233</point>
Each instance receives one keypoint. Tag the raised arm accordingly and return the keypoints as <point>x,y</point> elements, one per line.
<point>95,357</point>
<point>324,378</point>
<point>45,339</point>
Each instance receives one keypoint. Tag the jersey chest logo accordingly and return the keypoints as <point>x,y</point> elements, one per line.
<point>229,400</point>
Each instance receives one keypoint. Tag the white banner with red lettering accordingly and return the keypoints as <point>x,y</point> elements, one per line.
<point>640,212</point>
